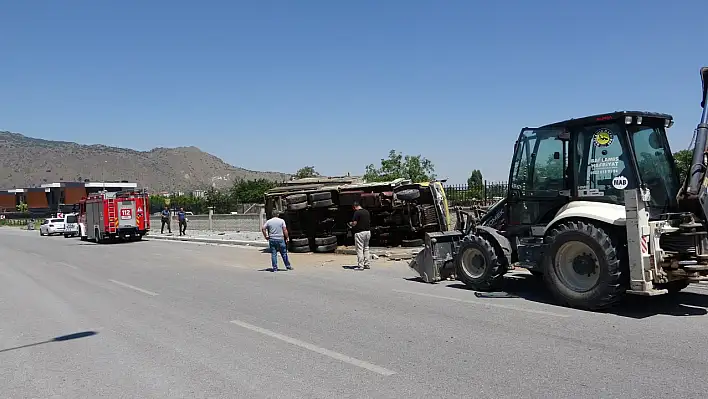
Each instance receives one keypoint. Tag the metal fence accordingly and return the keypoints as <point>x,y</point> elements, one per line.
<point>484,194</point>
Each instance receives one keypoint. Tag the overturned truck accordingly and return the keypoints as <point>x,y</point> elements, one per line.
<point>317,211</point>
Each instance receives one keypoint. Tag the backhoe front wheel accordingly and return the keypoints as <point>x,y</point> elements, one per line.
<point>478,265</point>
<point>583,267</point>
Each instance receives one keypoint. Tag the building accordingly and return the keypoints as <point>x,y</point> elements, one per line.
<point>56,197</point>
<point>64,195</point>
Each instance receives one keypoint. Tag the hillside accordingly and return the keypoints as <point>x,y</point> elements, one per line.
<point>27,161</point>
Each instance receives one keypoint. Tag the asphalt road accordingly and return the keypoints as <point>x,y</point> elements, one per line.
<point>161,319</point>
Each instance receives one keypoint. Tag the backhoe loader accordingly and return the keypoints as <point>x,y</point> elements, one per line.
<point>594,207</point>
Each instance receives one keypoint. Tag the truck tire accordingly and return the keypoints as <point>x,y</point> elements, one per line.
<point>296,198</point>
<point>325,240</point>
<point>674,287</point>
<point>418,242</point>
<point>300,249</point>
<point>320,196</point>
<point>408,195</point>
<point>478,264</point>
<point>326,248</point>
<point>297,206</point>
<point>583,267</point>
<point>322,204</point>
<point>299,242</point>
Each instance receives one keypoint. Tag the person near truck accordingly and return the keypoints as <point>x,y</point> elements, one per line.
<point>182,220</point>
<point>361,225</point>
<point>275,231</point>
<point>165,217</point>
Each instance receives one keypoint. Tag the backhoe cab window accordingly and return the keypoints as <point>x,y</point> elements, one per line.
<point>540,163</point>
<point>655,168</point>
<point>602,166</point>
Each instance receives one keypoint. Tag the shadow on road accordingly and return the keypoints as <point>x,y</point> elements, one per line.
<point>531,288</point>
<point>62,338</point>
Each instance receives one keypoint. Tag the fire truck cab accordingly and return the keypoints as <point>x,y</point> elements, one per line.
<point>110,215</point>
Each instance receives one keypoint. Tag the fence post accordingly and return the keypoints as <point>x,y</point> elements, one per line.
<point>211,214</point>
<point>261,217</point>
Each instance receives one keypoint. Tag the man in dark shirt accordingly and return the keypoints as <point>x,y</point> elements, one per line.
<point>165,218</point>
<point>182,220</point>
<point>361,225</point>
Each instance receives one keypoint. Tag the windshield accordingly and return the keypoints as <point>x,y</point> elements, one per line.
<point>656,168</point>
<point>57,221</point>
<point>71,219</point>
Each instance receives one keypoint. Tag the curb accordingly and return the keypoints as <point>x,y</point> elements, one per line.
<point>243,243</point>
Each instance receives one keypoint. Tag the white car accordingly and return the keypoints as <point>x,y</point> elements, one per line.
<point>71,225</point>
<point>51,226</point>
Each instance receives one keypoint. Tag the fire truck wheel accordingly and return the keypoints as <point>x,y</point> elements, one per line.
<point>296,198</point>
<point>322,204</point>
<point>320,196</point>
<point>583,267</point>
<point>298,206</point>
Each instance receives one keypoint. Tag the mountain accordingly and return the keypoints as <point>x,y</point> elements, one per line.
<point>29,162</point>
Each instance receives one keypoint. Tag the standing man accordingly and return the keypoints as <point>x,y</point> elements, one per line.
<point>182,220</point>
<point>165,217</point>
<point>361,225</point>
<point>275,231</point>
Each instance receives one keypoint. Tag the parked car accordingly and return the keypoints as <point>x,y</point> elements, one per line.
<point>71,225</point>
<point>51,226</point>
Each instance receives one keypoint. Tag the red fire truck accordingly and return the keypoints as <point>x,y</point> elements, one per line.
<point>109,215</point>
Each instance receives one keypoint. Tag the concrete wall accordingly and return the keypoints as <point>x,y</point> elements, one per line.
<point>248,222</point>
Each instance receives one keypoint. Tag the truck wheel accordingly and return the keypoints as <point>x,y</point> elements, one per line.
<point>299,242</point>
<point>320,196</point>
<point>326,248</point>
<point>418,242</point>
<point>297,206</point>
<point>408,195</point>
<point>322,203</point>
<point>583,268</point>
<point>300,249</point>
<point>296,198</point>
<point>478,265</point>
<point>674,287</point>
<point>325,240</point>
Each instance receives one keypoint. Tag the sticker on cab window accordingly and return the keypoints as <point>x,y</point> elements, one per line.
<point>620,182</point>
<point>603,137</point>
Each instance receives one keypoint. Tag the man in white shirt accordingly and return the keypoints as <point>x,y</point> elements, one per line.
<point>275,231</point>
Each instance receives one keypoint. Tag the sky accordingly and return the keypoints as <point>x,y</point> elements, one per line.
<point>278,85</point>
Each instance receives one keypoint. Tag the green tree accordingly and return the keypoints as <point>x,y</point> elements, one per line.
<point>475,184</point>
<point>683,160</point>
<point>218,200</point>
<point>250,191</point>
<point>305,172</point>
<point>415,168</point>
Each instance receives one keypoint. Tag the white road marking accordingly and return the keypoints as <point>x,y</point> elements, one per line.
<point>496,305</point>
<point>132,287</point>
<point>68,265</point>
<point>317,349</point>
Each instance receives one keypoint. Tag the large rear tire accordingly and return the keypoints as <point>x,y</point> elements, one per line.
<point>583,267</point>
<point>478,264</point>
